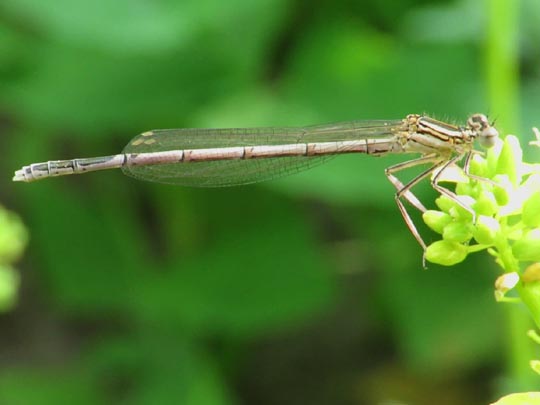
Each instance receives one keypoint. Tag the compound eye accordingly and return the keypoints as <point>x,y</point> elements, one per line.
<point>487,137</point>
<point>478,122</point>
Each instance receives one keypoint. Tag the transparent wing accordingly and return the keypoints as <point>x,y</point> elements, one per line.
<point>235,172</point>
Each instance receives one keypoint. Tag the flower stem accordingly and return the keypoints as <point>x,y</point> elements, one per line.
<point>501,61</point>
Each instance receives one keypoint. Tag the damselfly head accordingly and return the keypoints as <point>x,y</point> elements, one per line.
<point>485,131</point>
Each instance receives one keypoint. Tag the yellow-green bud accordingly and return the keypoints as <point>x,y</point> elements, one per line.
<point>459,212</point>
<point>478,166</point>
<point>444,203</point>
<point>466,189</point>
<point>458,232</point>
<point>509,159</point>
<point>533,182</point>
<point>531,274</point>
<point>528,247</point>
<point>13,236</point>
<point>446,253</point>
<point>531,210</point>
<point>502,190</point>
<point>535,365</point>
<point>486,204</point>
<point>486,230</point>
<point>436,220</point>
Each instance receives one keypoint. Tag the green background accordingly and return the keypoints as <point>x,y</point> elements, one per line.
<point>303,290</point>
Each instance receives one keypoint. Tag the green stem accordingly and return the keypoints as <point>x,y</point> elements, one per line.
<point>530,295</point>
<point>506,258</point>
<point>520,350</point>
<point>503,83</point>
<point>501,61</point>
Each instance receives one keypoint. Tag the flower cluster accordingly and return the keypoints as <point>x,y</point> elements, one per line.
<point>498,210</point>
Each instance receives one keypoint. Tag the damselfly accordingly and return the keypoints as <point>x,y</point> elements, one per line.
<point>227,157</point>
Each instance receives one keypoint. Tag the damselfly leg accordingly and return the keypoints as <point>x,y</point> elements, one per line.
<point>404,190</point>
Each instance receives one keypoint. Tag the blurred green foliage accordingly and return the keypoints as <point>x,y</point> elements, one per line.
<point>304,290</point>
<point>13,239</point>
